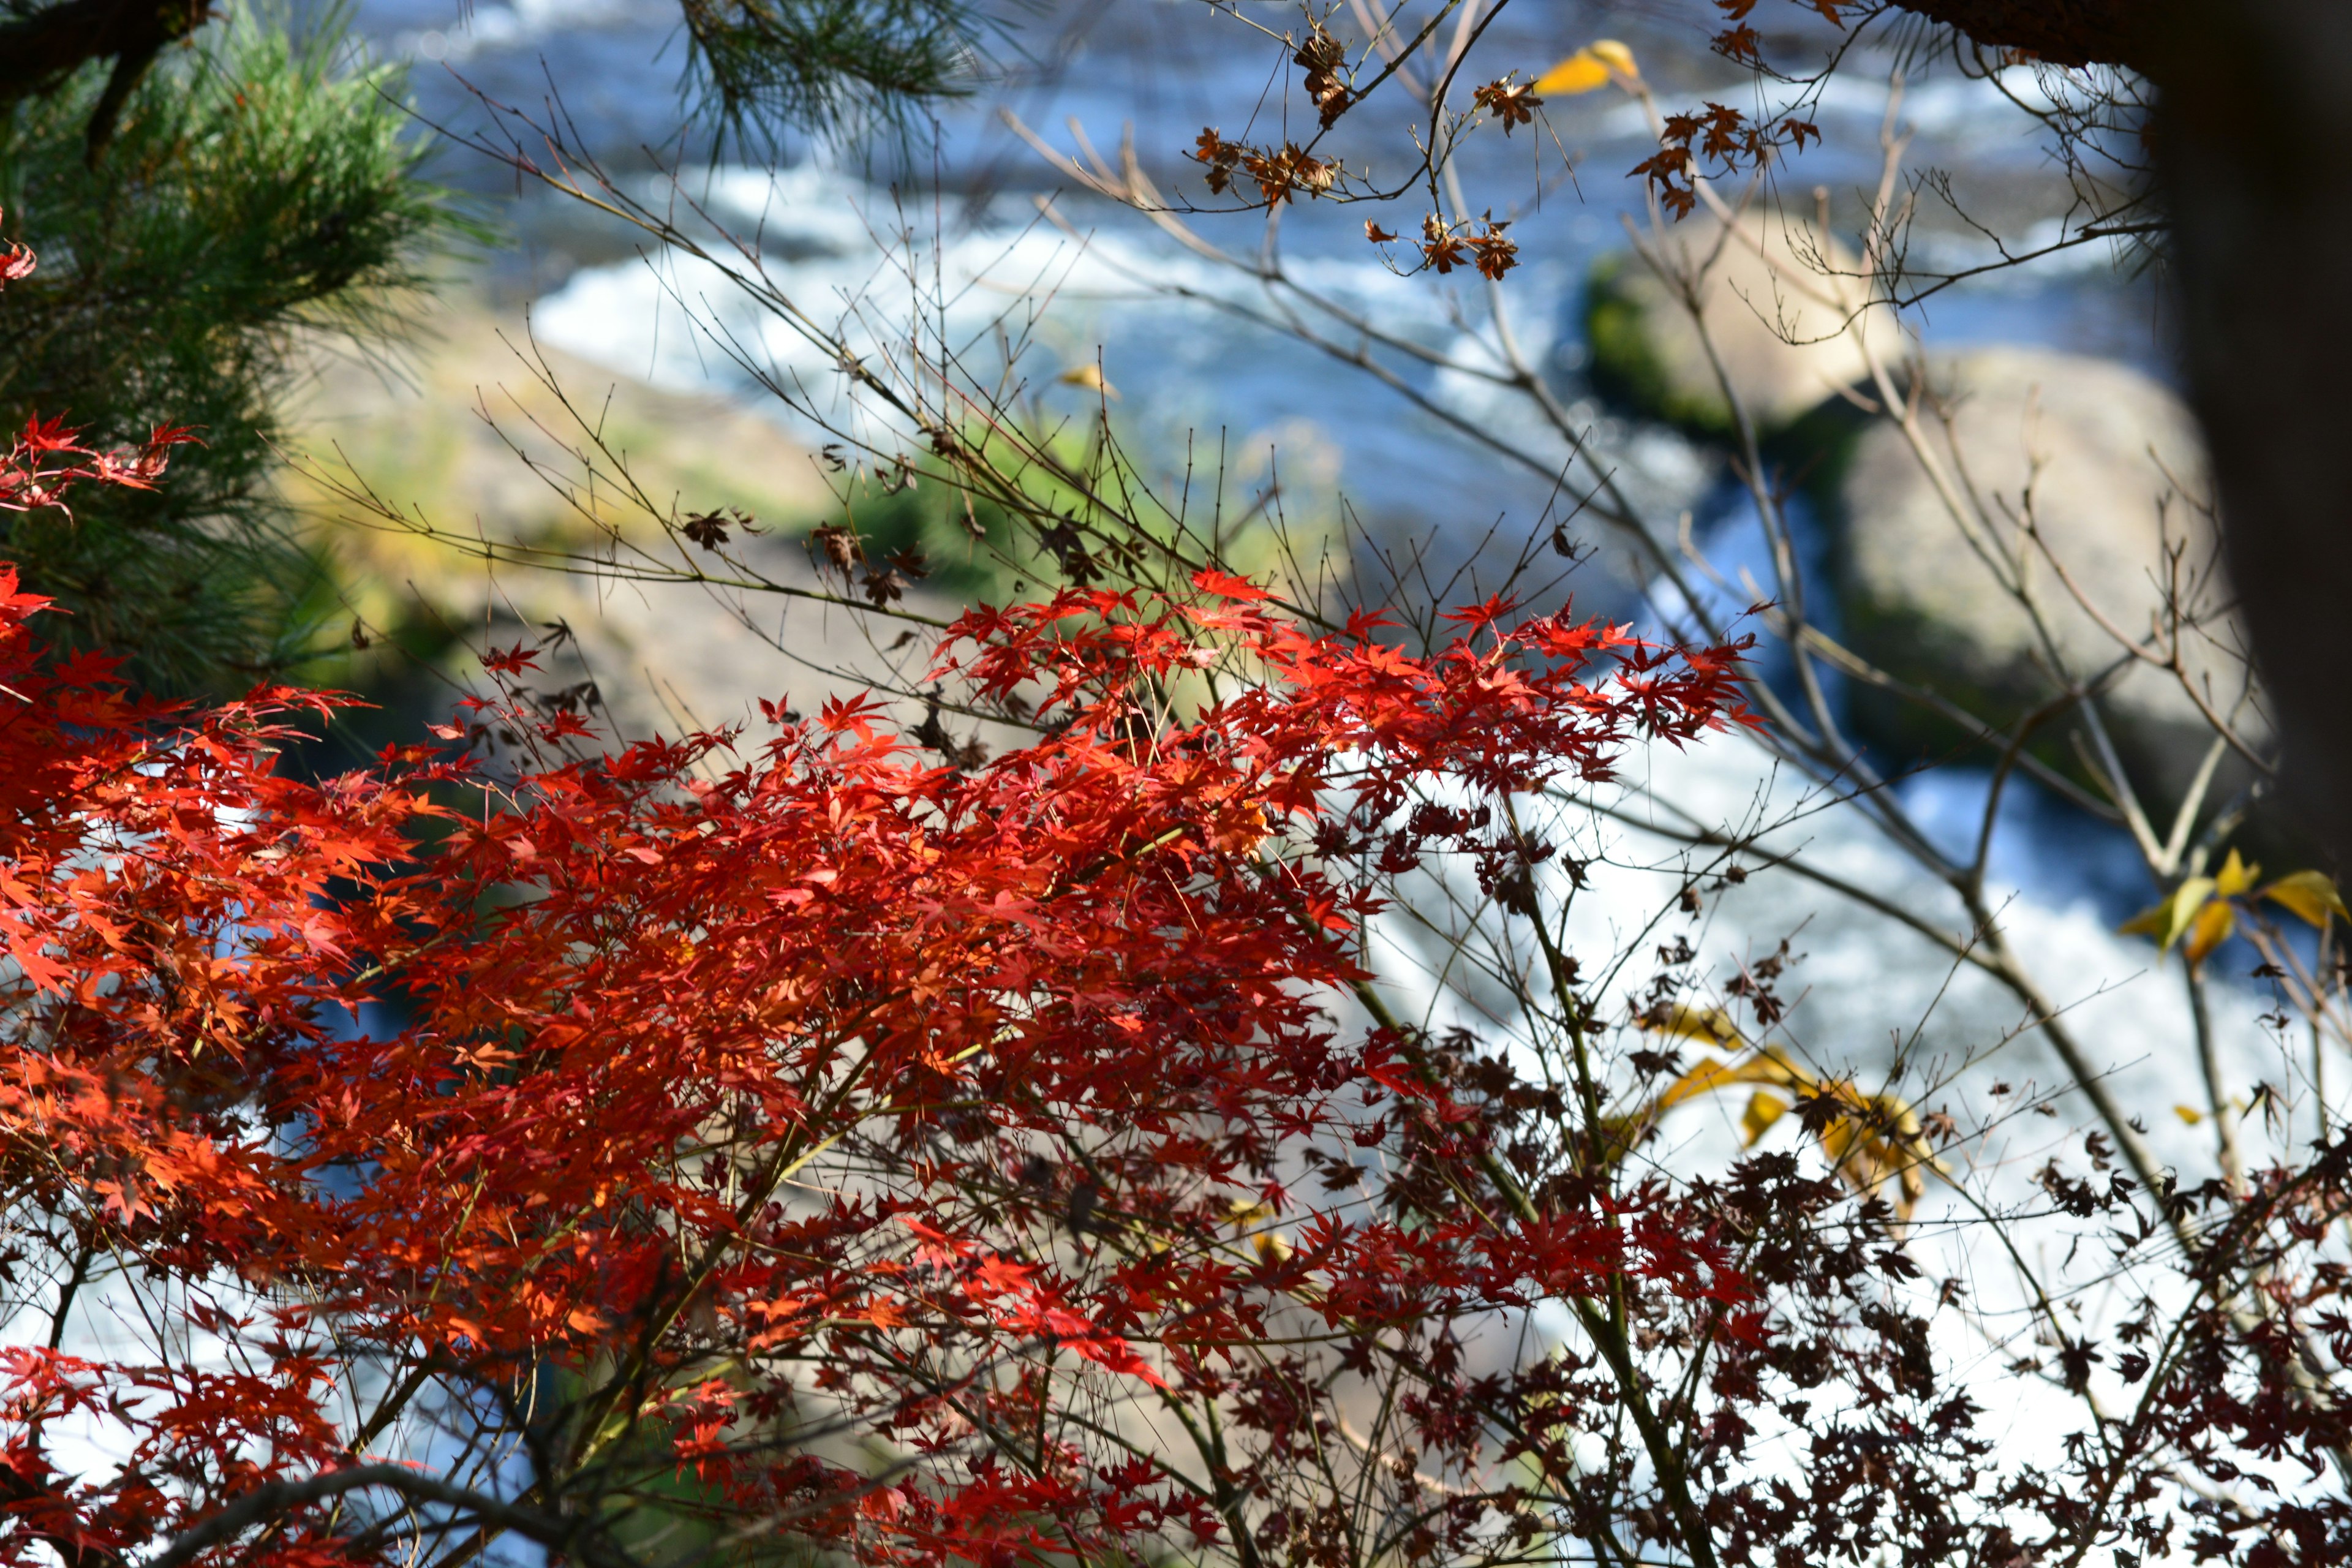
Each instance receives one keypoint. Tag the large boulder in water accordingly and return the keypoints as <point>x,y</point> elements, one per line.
<point>2108,465</point>
<point>1784,350</point>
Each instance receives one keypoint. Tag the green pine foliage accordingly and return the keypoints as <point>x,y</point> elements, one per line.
<point>261,187</point>
<point>840,69</point>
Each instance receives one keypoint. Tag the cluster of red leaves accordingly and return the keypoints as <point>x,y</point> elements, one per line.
<point>1280,173</point>
<point>1720,135</point>
<point>1322,58</point>
<point>828,1086</point>
<point>1447,246</point>
<point>171,956</point>
<point>703,1126</point>
<point>45,460</point>
<point>1740,41</point>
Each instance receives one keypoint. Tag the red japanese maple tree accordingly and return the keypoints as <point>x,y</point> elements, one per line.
<point>815,1145</point>
<point>838,1093</point>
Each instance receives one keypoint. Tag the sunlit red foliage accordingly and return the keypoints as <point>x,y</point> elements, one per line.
<point>681,1108</point>
<point>45,460</point>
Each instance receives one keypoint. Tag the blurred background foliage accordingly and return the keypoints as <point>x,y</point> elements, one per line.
<point>236,234</point>
<point>259,192</point>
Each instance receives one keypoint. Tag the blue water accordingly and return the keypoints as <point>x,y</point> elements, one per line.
<point>1198,372</point>
<point>1195,375</point>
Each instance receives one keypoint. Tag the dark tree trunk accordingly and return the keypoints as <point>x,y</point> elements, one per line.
<point>2256,148</point>
<point>2063,32</point>
<point>40,49</point>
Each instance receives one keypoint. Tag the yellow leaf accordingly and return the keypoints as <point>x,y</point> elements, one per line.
<point>1878,1138</point>
<point>1578,73</point>
<point>1882,1141</point>
<point>2213,925</point>
<point>1709,1023</point>
<point>2235,877</point>
<point>2168,921</point>
<point>1244,1213</point>
<point>1089,376</point>
<point>1615,55</point>
<point>1590,67</point>
<point>2189,1113</point>
<point>1627,1129</point>
<point>1763,1110</point>
<point>1764,1067</point>
<point>2308,895</point>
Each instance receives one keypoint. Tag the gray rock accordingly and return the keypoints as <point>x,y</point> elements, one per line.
<point>1783,352</point>
<point>2107,463</point>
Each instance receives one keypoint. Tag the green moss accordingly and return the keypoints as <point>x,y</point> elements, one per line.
<point>1625,367</point>
<point>1082,517</point>
<point>929,520</point>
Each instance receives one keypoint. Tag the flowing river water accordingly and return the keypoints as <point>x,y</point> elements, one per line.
<point>1170,327</point>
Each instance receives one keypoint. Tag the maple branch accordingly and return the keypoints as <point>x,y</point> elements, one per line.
<point>2171,661</point>
<point>73,1547</point>
<point>277,1497</point>
<point>84,1255</point>
<point>1690,1522</point>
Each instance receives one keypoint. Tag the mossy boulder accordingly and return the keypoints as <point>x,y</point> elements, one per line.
<point>2107,464</point>
<point>1783,350</point>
